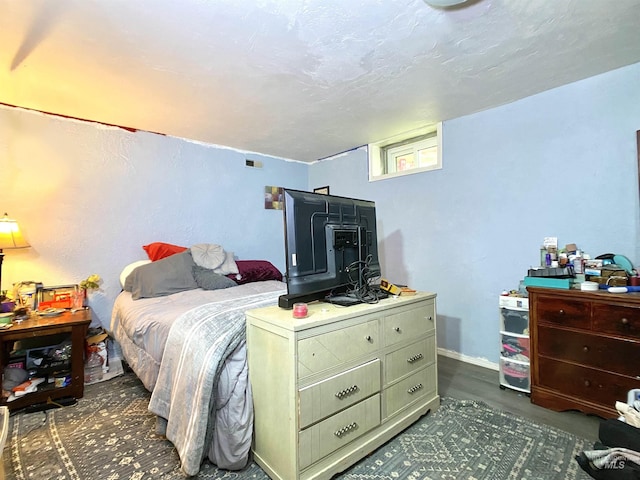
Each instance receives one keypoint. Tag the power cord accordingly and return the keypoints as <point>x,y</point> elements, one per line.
<point>361,287</point>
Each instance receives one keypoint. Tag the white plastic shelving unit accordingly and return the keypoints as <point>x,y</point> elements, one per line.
<point>515,370</point>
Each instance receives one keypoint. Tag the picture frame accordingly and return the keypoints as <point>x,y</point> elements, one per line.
<point>322,190</point>
<point>273,197</point>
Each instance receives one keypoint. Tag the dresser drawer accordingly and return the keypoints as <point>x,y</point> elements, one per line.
<point>586,383</point>
<point>409,390</point>
<point>591,350</point>
<point>568,313</point>
<point>329,435</point>
<point>324,351</point>
<point>324,398</point>
<point>617,320</point>
<point>409,324</point>
<point>409,359</point>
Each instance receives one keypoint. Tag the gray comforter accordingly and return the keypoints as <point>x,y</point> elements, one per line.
<point>206,348</point>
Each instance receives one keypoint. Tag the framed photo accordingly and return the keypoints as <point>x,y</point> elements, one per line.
<point>322,190</point>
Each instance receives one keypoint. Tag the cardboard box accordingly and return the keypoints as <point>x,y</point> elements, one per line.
<point>571,247</point>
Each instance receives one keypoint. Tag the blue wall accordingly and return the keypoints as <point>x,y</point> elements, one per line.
<point>562,163</point>
<point>88,197</point>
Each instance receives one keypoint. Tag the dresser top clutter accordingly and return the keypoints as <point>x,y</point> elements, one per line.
<point>584,329</point>
<point>569,267</point>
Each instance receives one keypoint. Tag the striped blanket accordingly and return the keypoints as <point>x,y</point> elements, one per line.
<point>205,353</point>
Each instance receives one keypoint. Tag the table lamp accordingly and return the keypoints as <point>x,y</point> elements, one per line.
<point>10,237</point>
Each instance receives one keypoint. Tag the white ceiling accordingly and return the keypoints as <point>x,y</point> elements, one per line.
<point>299,79</point>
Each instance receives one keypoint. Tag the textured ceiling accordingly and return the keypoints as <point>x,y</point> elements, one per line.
<point>300,79</point>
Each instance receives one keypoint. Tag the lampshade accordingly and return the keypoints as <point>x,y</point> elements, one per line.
<point>10,236</point>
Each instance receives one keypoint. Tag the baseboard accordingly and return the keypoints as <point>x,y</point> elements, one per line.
<point>481,362</point>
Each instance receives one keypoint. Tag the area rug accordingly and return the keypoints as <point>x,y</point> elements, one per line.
<point>110,435</point>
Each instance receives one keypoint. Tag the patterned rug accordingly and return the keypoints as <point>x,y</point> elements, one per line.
<point>109,435</point>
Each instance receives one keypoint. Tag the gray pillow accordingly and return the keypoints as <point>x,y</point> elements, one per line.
<point>207,279</point>
<point>163,277</point>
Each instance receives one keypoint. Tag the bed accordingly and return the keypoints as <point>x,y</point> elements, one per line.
<point>183,335</point>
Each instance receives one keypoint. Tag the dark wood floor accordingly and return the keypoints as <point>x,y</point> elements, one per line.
<point>463,380</point>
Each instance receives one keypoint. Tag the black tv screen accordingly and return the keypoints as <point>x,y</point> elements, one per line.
<point>330,243</point>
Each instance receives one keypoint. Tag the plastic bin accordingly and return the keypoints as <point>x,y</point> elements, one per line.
<point>515,347</point>
<point>514,321</point>
<point>515,374</point>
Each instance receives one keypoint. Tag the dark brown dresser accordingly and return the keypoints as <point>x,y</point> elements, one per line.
<point>585,349</point>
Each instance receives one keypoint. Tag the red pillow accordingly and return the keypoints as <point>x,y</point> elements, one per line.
<point>255,271</point>
<point>159,250</point>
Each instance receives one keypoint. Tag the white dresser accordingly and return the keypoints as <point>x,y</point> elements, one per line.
<point>331,388</point>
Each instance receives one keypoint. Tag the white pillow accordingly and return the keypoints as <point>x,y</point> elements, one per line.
<point>208,255</point>
<point>130,268</point>
<point>228,266</point>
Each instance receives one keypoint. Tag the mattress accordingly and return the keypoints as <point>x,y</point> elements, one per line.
<point>141,326</point>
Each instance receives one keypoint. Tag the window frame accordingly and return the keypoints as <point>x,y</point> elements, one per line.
<point>378,153</point>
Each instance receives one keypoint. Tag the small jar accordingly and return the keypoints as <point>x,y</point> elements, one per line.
<point>300,310</point>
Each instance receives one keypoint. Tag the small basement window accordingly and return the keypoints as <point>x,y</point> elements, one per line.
<point>411,152</point>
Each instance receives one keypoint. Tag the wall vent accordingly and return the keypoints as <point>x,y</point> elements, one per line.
<point>253,163</point>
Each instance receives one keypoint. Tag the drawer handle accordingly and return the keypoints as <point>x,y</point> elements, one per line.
<point>430,318</point>
<point>347,391</point>
<point>624,321</point>
<point>585,349</point>
<point>561,312</point>
<point>415,388</point>
<point>415,358</point>
<point>346,429</point>
<point>368,339</point>
<point>397,330</point>
<point>587,383</point>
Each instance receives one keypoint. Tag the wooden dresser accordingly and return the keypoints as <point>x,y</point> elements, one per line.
<point>585,349</point>
<point>331,388</point>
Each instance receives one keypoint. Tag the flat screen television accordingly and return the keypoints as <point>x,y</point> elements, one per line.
<point>331,249</point>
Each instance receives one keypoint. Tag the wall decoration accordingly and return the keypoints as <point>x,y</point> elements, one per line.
<point>322,190</point>
<point>273,198</point>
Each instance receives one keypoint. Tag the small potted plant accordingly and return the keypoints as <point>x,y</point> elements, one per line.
<point>92,282</point>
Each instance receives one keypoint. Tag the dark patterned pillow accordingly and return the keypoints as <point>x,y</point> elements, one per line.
<point>255,271</point>
<point>207,279</point>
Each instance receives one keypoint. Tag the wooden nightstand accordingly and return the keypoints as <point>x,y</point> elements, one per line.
<point>73,324</point>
